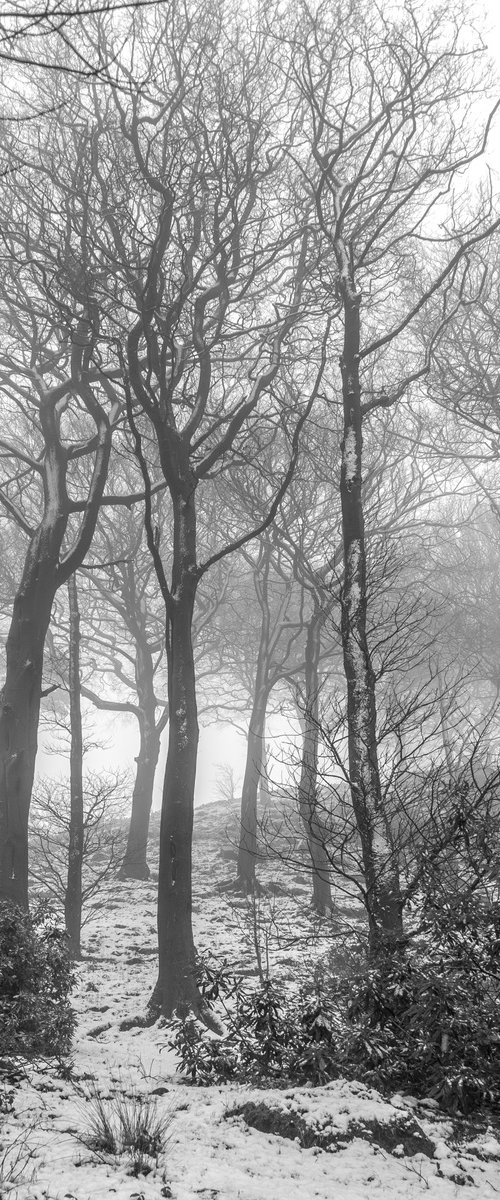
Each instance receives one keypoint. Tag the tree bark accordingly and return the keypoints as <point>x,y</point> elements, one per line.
<point>73,896</point>
<point>264,790</point>
<point>176,985</point>
<point>247,849</point>
<point>135,865</point>
<point>176,988</point>
<point>20,699</point>
<point>382,889</point>
<point>446,736</point>
<point>316,833</point>
<point>19,717</point>
<point>44,572</point>
<point>255,760</point>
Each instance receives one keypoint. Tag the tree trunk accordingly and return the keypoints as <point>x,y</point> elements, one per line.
<point>255,761</point>
<point>134,865</point>
<point>264,798</point>
<point>247,850</point>
<point>316,832</point>
<point>43,574</point>
<point>176,988</point>
<point>73,896</point>
<point>444,712</point>
<point>20,706</point>
<point>380,869</point>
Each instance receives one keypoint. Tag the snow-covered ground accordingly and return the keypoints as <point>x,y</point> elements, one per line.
<point>341,1140</point>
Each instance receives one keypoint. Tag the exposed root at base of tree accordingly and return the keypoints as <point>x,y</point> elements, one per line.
<point>242,887</point>
<point>196,1006</point>
<point>134,872</point>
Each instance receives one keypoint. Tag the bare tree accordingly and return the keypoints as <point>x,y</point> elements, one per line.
<point>52,35</point>
<point>103,840</point>
<point>379,171</point>
<point>29,378</point>
<point>125,667</point>
<point>197,273</point>
<point>309,806</point>
<point>279,645</point>
<point>124,645</point>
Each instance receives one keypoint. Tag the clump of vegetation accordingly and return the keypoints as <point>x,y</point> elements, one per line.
<point>269,1037</point>
<point>126,1123</point>
<point>423,1019</point>
<point>35,983</point>
<point>427,1019</point>
<point>14,1163</point>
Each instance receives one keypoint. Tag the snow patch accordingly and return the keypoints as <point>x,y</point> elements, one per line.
<point>212,1153</point>
<point>350,456</point>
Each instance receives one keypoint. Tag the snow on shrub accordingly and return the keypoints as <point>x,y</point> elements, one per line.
<point>269,1037</point>
<point>35,983</point>
<point>423,1019</point>
<point>426,1019</point>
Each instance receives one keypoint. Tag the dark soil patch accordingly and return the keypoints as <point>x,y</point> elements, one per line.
<point>467,1130</point>
<point>403,1133</point>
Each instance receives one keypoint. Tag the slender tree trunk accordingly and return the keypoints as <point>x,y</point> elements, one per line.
<point>20,707</point>
<point>380,869</point>
<point>264,792</point>
<point>445,728</point>
<point>134,865</point>
<point>445,734</point>
<point>247,850</point>
<point>73,896</point>
<point>255,761</point>
<point>316,833</point>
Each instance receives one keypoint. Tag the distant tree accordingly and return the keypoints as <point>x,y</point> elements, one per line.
<point>75,830</point>
<point>124,648</point>
<point>125,668</point>
<point>104,808</point>
<point>281,628</point>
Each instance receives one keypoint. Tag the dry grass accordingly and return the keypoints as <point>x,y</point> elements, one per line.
<point>126,1123</point>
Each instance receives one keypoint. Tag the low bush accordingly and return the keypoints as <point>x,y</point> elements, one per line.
<point>424,1019</point>
<point>35,983</point>
<point>427,1019</point>
<point>269,1037</point>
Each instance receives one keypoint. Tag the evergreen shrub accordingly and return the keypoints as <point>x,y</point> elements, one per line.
<point>270,1037</point>
<point>35,983</point>
<point>424,1019</point>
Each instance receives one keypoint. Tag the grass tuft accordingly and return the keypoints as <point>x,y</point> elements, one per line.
<point>127,1123</point>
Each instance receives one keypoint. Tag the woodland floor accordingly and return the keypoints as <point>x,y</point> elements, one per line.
<point>396,1148</point>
